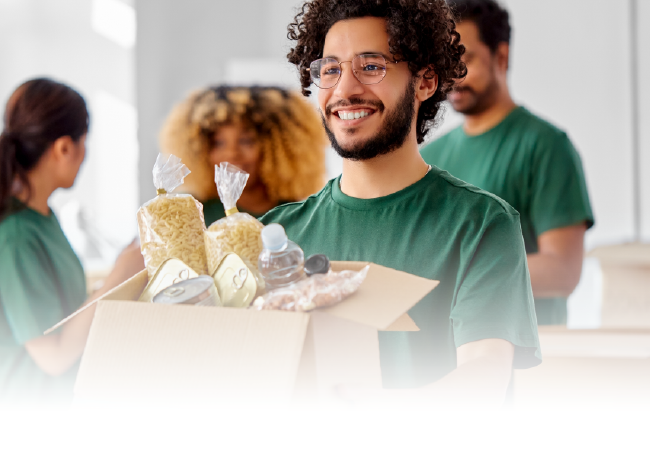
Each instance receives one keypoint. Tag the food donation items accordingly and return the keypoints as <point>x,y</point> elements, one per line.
<point>171,225</point>
<point>249,265</point>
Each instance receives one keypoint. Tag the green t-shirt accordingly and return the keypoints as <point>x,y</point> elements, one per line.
<point>534,167</point>
<point>41,283</point>
<point>213,210</point>
<point>438,228</point>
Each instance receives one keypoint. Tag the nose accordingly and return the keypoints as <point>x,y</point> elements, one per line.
<point>348,85</point>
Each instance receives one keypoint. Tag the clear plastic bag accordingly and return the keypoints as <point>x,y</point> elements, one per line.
<point>171,225</point>
<point>237,232</point>
<point>317,291</point>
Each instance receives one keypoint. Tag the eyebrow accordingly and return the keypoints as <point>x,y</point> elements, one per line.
<point>364,53</point>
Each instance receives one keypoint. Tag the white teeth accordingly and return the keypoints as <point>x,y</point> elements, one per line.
<point>350,116</point>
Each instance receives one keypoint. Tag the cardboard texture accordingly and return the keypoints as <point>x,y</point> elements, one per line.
<point>626,285</point>
<point>151,352</point>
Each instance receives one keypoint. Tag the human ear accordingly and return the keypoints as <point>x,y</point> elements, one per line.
<point>427,84</point>
<point>63,148</point>
<point>503,56</point>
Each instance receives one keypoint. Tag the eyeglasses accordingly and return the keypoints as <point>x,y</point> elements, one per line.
<point>367,68</point>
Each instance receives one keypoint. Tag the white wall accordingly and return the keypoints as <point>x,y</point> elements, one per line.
<point>643,19</point>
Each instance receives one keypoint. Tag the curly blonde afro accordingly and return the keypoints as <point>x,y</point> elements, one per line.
<point>289,129</point>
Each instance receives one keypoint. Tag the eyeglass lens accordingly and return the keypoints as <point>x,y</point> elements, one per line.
<point>368,69</point>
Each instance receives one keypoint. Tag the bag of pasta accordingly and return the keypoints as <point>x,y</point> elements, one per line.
<point>171,225</point>
<point>237,232</point>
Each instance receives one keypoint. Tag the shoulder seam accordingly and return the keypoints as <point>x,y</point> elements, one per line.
<point>483,193</point>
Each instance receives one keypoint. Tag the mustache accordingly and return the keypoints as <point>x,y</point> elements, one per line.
<point>464,89</point>
<point>378,104</point>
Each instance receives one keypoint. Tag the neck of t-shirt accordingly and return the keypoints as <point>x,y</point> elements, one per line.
<point>378,190</point>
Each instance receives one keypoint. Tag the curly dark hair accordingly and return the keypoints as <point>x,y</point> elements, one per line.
<point>421,32</point>
<point>287,126</point>
<point>490,18</point>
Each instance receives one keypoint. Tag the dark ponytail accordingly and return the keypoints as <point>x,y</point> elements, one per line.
<point>39,112</point>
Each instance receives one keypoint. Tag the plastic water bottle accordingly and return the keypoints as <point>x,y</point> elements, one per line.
<point>282,261</point>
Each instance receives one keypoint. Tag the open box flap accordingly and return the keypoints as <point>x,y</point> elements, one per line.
<point>129,290</point>
<point>384,297</point>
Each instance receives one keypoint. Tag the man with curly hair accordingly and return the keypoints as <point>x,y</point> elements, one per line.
<point>506,150</point>
<point>382,68</point>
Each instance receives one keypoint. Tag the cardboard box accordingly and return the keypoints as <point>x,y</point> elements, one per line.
<point>140,352</point>
<point>604,368</point>
<point>626,285</point>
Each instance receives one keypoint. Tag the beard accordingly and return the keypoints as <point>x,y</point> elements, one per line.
<point>393,132</point>
<point>476,102</point>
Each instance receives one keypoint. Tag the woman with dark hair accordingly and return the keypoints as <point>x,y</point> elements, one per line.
<point>42,281</point>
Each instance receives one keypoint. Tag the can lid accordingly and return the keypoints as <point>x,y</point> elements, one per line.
<point>317,264</point>
<point>194,290</point>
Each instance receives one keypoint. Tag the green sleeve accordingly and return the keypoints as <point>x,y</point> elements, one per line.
<point>495,298</point>
<point>29,292</point>
<point>559,195</point>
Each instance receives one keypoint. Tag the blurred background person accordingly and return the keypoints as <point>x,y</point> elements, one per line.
<point>271,133</point>
<point>42,147</point>
<point>505,149</point>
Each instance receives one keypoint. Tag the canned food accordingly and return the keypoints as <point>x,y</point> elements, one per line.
<point>199,291</point>
<point>235,282</point>
<point>170,272</point>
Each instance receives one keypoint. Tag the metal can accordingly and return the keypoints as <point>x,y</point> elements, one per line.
<point>196,291</point>
<point>170,272</point>
<point>235,282</point>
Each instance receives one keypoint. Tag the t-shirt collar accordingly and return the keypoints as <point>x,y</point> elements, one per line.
<point>362,204</point>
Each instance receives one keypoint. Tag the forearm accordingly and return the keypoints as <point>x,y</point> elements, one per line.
<point>553,276</point>
<point>56,353</point>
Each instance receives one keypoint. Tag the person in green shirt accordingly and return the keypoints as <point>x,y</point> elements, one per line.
<point>42,146</point>
<point>383,69</point>
<point>506,150</point>
<point>271,133</point>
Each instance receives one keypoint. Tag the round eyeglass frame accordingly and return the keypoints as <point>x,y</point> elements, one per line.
<point>313,68</point>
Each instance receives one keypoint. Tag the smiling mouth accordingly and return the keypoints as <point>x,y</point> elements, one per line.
<point>353,114</point>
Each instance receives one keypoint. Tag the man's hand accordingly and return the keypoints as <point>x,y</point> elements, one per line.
<point>555,269</point>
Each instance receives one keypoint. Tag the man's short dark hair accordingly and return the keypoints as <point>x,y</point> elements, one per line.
<point>421,32</point>
<point>490,18</point>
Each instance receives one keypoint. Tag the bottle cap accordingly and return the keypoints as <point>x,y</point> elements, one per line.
<point>317,264</point>
<point>274,237</point>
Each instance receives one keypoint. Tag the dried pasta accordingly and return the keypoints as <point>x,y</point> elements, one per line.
<point>238,233</point>
<point>171,226</point>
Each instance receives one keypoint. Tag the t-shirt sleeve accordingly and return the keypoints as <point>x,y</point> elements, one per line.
<point>559,196</point>
<point>495,298</point>
<point>29,293</point>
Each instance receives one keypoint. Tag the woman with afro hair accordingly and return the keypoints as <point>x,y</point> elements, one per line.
<point>273,134</point>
